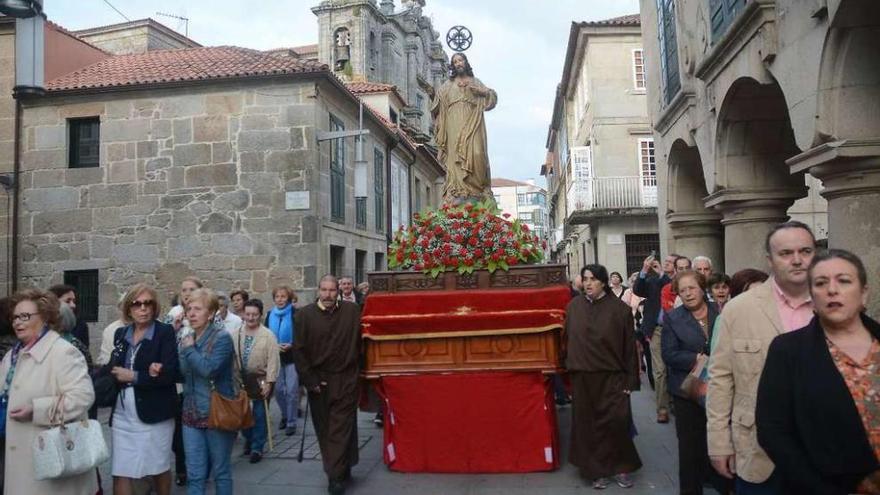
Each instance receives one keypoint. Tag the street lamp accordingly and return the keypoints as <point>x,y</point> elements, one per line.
<point>21,9</point>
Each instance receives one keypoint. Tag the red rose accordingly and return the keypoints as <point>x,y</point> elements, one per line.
<point>544,244</point>
<point>469,262</point>
<point>447,248</point>
<point>469,207</point>
<point>413,256</point>
<point>399,257</point>
<point>459,238</point>
<point>511,260</point>
<point>462,252</point>
<point>496,256</point>
<point>488,243</point>
<point>447,238</point>
<point>506,215</point>
<point>473,241</point>
<point>478,253</point>
<point>418,267</point>
<point>438,230</point>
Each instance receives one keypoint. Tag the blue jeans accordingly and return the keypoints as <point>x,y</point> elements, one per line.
<point>255,437</point>
<point>287,393</point>
<point>773,486</point>
<point>208,450</point>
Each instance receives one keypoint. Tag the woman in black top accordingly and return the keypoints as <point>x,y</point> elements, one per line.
<point>818,411</point>
<point>144,363</point>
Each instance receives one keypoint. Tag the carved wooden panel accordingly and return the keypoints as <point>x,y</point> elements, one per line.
<point>535,351</point>
<point>418,283</point>
<point>514,280</point>
<point>522,276</point>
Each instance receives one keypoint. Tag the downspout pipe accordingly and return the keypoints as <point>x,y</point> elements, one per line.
<point>16,192</point>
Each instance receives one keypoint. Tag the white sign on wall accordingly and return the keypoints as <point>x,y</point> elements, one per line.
<point>296,200</point>
<point>614,239</point>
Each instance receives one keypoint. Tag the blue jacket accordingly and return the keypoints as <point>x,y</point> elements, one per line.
<point>209,359</point>
<point>681,340</point>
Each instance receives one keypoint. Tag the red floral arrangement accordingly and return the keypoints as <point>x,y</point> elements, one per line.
<point>463,238</point>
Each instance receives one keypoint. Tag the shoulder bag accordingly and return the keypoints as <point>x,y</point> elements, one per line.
<point>68,449</point>
<point>230,414</point>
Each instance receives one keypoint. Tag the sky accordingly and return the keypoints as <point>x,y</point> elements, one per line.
<point>518,49</point>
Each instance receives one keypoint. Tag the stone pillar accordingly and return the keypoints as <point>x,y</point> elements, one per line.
<point>412,71</point>
<point>747,216</point>
<point>697,233</point>
<point>850,173</point>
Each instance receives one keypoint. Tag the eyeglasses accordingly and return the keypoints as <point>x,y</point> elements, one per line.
<point>23,317</point>
<point>142,304</point>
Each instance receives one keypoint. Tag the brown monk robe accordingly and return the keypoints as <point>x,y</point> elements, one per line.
<point>601,360</point>
<point>326,350</point>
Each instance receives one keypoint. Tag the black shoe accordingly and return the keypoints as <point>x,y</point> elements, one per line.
<point>256,457</point>
<point>283,424</point>
<point>336,488</point>
<point>290,431</point>
<point>181,479</point>
<point>247,451</point>
<point>379,420</point>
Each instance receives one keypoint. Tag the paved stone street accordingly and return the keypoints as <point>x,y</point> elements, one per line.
<point>279,473</point>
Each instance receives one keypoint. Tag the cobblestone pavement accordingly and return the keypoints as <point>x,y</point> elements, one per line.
<point>279,473</point>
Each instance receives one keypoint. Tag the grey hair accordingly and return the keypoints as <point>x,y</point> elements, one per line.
<point>330,278</point>
<point>68,318</point>
<point>701,258</point>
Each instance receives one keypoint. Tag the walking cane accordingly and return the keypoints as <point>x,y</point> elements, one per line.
<point>268,420</point>
<point>302,442</point>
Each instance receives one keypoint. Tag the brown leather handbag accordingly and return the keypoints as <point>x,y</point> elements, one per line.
<point>230,414</point>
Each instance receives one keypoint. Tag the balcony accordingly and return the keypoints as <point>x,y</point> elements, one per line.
<point>600,197</point>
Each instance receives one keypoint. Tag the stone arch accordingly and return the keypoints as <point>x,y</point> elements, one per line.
<point>694,230</point>
<point>754,138</point>
<point>753,185</point>
<point>849,74</point>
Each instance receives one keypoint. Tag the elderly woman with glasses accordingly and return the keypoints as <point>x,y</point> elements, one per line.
<point>43,376</point>
<point>144,363</point>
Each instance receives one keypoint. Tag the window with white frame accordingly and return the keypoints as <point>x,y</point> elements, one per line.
<point>647,172</point>
<point>638,68</point>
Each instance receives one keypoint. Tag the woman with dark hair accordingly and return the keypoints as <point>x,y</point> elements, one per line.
<point>719,289</point>
<point>817,411</point>
<point>684,344</point>
<point>603,366</point>
<point>745,279</point>
<point>144,363</point>
<point>617,288</point>
<point>66,294</point>
<point>42,375</point>
<point>257,351</point>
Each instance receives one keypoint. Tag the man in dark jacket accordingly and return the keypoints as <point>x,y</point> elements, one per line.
<point>327,349</point>
<point>649,285</point>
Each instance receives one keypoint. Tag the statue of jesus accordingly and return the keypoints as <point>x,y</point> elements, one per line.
<point>460,133</point>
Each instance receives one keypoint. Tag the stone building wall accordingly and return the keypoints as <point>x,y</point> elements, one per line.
<point>7,143</point>
<point>191,182</point>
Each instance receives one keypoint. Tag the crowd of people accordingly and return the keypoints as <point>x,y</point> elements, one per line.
<point>773,378</point>
<point>166,376</point>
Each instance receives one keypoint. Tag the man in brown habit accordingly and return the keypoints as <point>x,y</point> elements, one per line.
<point>601,360</point>
<point>326,351</point>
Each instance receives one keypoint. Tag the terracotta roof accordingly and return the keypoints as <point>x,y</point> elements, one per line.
<point>370,87</point>
<point>190,64</point>
<point>306,49</point>
<point>624,20</point>
<point>500,182</point>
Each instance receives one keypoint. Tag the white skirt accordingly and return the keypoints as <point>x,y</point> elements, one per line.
<point>139,449</point>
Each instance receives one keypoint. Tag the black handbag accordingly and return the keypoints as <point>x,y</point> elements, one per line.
<point>105,384</point>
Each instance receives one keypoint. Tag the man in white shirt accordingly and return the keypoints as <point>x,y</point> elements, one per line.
<point>347,292</point>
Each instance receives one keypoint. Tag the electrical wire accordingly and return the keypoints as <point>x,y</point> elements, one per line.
<point>117,10</point>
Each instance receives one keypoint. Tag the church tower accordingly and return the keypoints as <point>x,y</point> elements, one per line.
<point>362,40</point>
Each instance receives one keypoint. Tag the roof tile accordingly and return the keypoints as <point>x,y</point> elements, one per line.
<point>190,64</point>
